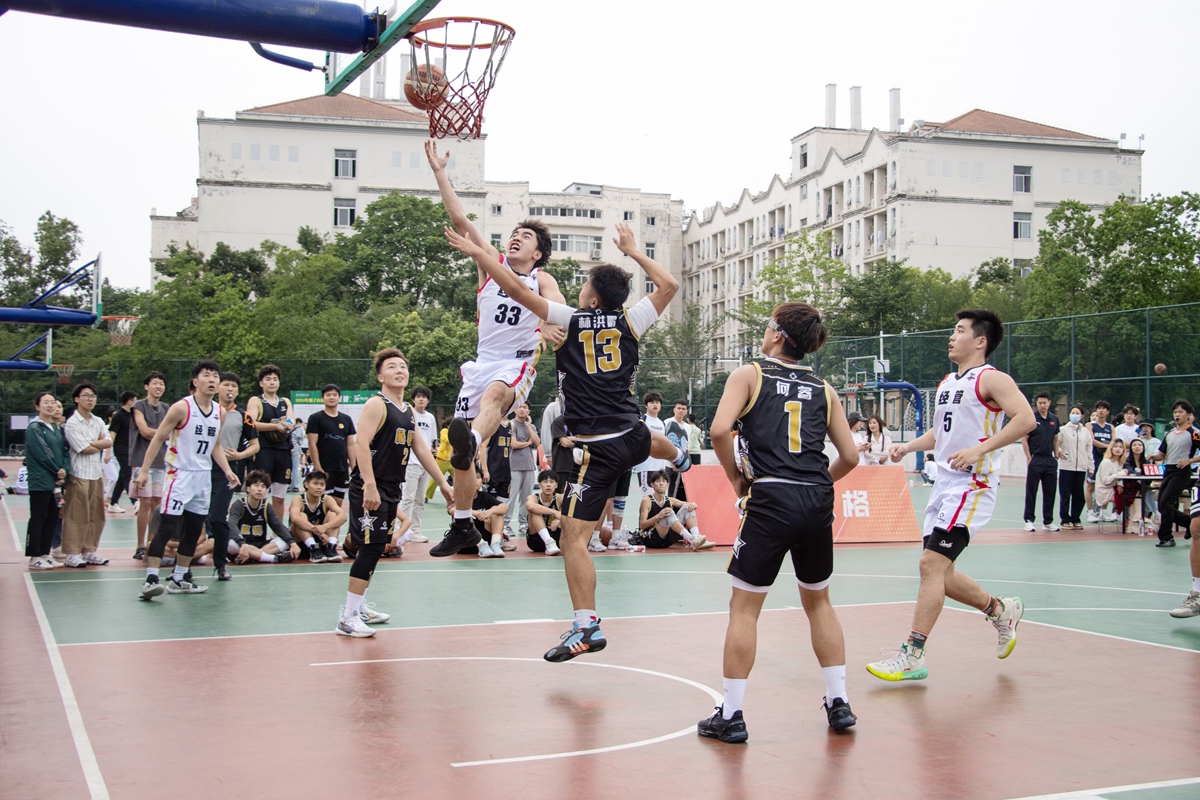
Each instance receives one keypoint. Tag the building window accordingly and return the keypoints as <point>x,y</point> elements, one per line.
<point>414,161</point>
<point>649,286</point>
<point>858,190</point>
<point>1095,176</point>
<point>964,170</point>
<point>496,210</point>
<point>1112,177</point>
<point>397,159</point>
<point>857,232</point>
<point>235,150</point>
<point>804,191</point>
<point>273,151</point>
<point>803,156</point>
<point>789,215</point>
<point>293,153</point>
<point>892,231</point>
<point>804,222</point>
<point>343,213</point>
<point>931,167</point>
<point>572,243</point>
<point>1022,225</point>
<point>1082,176</point>
<point>649,249</point>
<point>651,220</point>
<point>628,216</point>
<point>496,240</point>
<point>1022,179</point>
<point>947,169</point>
<point>1066,174</point>
<point>256,154</point>
<point>892,176</point>
<point>345,163</point>
<point>1023,266</point>
<point>546,211</point>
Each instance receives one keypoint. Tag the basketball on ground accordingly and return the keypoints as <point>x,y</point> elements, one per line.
<point>1161,369</point>
<point>424,85</point>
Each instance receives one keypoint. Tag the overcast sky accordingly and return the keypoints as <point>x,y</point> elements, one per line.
<point>700,99</point>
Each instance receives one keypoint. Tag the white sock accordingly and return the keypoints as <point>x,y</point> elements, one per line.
<point>309,542</point>
<point>735,693</point>
<point>694,530</point>
<point>687,535</point>
<point>459,514</point>
<point>544,535</point>
<point>353,603</point>
<point>151,571</point>
<point>584,617</point>
<point>266,558</point>
<point>835,683</point>
<point>406,538</point>
<point>178,573</point>
<point>478,439</point>
<point>1196,584</point>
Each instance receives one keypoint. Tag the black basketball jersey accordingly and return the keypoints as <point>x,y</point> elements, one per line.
<point>274,440</point>
<point>391,447</point>
<point>597,366</point>
<point>252,523</point>
<point>499,450</point>
<point>656,507</point>
<point>315,516</point>
<point>782,429</point>
<point>537,498</point>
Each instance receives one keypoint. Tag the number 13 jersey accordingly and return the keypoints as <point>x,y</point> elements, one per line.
<point>507,330</point>
<point>961,420</point>
<point>781,431</point>
<point>191,445</point>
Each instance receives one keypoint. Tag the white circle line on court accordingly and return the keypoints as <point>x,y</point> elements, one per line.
<point>1087,794</point>
<point>714,694</point>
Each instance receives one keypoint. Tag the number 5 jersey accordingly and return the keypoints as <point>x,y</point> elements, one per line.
<point>961,420</point>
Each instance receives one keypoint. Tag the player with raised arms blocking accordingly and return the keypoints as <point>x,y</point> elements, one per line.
<point>965,433</point>
<point>782,412</point>
<point>500,377</point>
<point>192,425</point>
<point>387,439</point>
<point>597,366</point>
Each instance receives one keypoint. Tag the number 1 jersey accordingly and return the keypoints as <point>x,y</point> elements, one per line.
<point>781,432</point>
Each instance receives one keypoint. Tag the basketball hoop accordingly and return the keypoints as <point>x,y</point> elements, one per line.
<point>64,372</point>
<point>446,52</point>
<point>120,329</point>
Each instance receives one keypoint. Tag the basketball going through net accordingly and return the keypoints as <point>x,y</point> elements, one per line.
<point>120,329</point>
<point>455,61</point>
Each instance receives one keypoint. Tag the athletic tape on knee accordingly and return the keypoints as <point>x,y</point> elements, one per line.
<point>738,583</point>
<point>813,587</point>
<point>619,505</point>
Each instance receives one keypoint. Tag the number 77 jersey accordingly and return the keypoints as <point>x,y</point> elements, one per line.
<point>781,431</point>
<point>190,445</point>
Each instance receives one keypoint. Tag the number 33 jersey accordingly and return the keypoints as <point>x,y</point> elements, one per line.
<point>507,330</point>
<point>191,445</point>
<point>781,432</point>
<point>961,420</point>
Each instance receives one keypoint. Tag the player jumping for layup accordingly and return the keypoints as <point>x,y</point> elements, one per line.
<point>783,411</point>
<point>500,377</point>
<point>965,432</point>
<point>597,365</point>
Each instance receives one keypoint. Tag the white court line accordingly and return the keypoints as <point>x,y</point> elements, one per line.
<point>1024,583</point>
<point>12,527</point>
<point>1081,630</point>
<point>412,571</point>
<point>691,729</point>
<point>1095,794</point>
<point>1143,610</point>
<point>83,745</point>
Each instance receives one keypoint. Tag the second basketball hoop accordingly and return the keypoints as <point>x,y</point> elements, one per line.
<point>455,61</point>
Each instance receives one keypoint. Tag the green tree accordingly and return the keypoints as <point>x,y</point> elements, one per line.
<point>25,274</point>
<point>680,350</point>
<point>883,298</point>
<point>436,342</point>
<point>564,271</point>
<point>245,266</point>
<point>998,285</point>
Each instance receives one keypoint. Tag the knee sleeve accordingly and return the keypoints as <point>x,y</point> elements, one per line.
<point>168,529</point>
<point>364,563</point>
<point>619,505</point>
<point>232,547</point>
<point>193,526</point>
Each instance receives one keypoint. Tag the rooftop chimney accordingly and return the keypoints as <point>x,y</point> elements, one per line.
<point>894,110</point>
<point>831,105</point>
<point>856,108</point>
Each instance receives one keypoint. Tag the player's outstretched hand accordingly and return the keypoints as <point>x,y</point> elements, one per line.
<point>624,241</point>
<point>553,333</point>
<point>438,162</point>
<point>461,243</point>
<point>897,452</point>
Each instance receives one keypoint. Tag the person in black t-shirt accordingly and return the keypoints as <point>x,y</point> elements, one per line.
<point>1041,457</point>
<point>122,421</point>
<point>331,443</point>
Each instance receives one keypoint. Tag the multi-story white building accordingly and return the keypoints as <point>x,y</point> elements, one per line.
<point>950,195</point>
<point>318,162</point>
<point>582,219</point>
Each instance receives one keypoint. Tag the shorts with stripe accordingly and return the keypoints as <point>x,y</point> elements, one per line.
<point>477,377</point>
<point>187,490</point>
<point>605,461</point>
<point>369,527</point>
<point>959,499</point>
<point>781,519</point>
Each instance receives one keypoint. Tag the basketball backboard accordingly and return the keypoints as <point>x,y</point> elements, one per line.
<point>339,75</point>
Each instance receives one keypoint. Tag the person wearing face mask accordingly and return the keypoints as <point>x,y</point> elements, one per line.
<point>1074,463</point>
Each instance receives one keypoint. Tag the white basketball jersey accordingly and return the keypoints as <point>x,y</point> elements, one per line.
<point>507,330</point>
<point>190,446</point>
<point>961,420</point>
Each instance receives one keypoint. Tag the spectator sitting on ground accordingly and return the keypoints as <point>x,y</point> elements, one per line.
<point>545,519</point>
<point>259,535</point>
<point>315,518</point>
<point>658,523</point>
<point>1108,480</point>
<point>879,444</point>
<point>488,512</point>
<point>398,535</point>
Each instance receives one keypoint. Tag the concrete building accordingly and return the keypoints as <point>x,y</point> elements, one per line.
<point>940,194</point>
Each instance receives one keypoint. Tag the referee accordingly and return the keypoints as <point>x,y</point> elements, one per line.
<point>1041,457</point>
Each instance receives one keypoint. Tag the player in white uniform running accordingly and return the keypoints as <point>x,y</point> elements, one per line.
<point>500,377</point>
<point>192,425</point>
<point>965,433</point>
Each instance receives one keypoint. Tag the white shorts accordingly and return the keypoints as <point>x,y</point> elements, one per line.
<point>959,499</point>
<point>187,490</point>
<point>154,484</point>
<point>476,378</point>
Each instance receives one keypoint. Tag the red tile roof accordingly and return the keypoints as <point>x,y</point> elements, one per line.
<point>979,121</point>
<point>341,106</point>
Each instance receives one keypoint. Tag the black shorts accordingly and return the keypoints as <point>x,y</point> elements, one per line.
<point>337,484</point>
<point>652,540</point>
<point>535,542</point>
<point>276,463</point>
<point>604,462</point>
<point>949,543</point>
<point>501,490</point>
<point>782,518</point>
<point>370,527</point>
<point>620,487</point>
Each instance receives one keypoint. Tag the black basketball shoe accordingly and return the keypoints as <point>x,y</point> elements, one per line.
<point>463,443</point>
<point>732,730</point>
<point>839,714</point>
<point>462,534</point>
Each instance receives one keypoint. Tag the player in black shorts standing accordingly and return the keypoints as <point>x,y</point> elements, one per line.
<point>597,366</point>
<point>388,439</point>
<point>782,411</point>
<point>273,419</point>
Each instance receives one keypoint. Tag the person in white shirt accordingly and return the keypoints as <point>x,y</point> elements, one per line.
<point>83,497</point>
<point>653,402</point>
<point>416,479</point>
<point>1146,434</point>
<point>1128,430</point>
<point>879,444</point>
<point>858,429</point>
